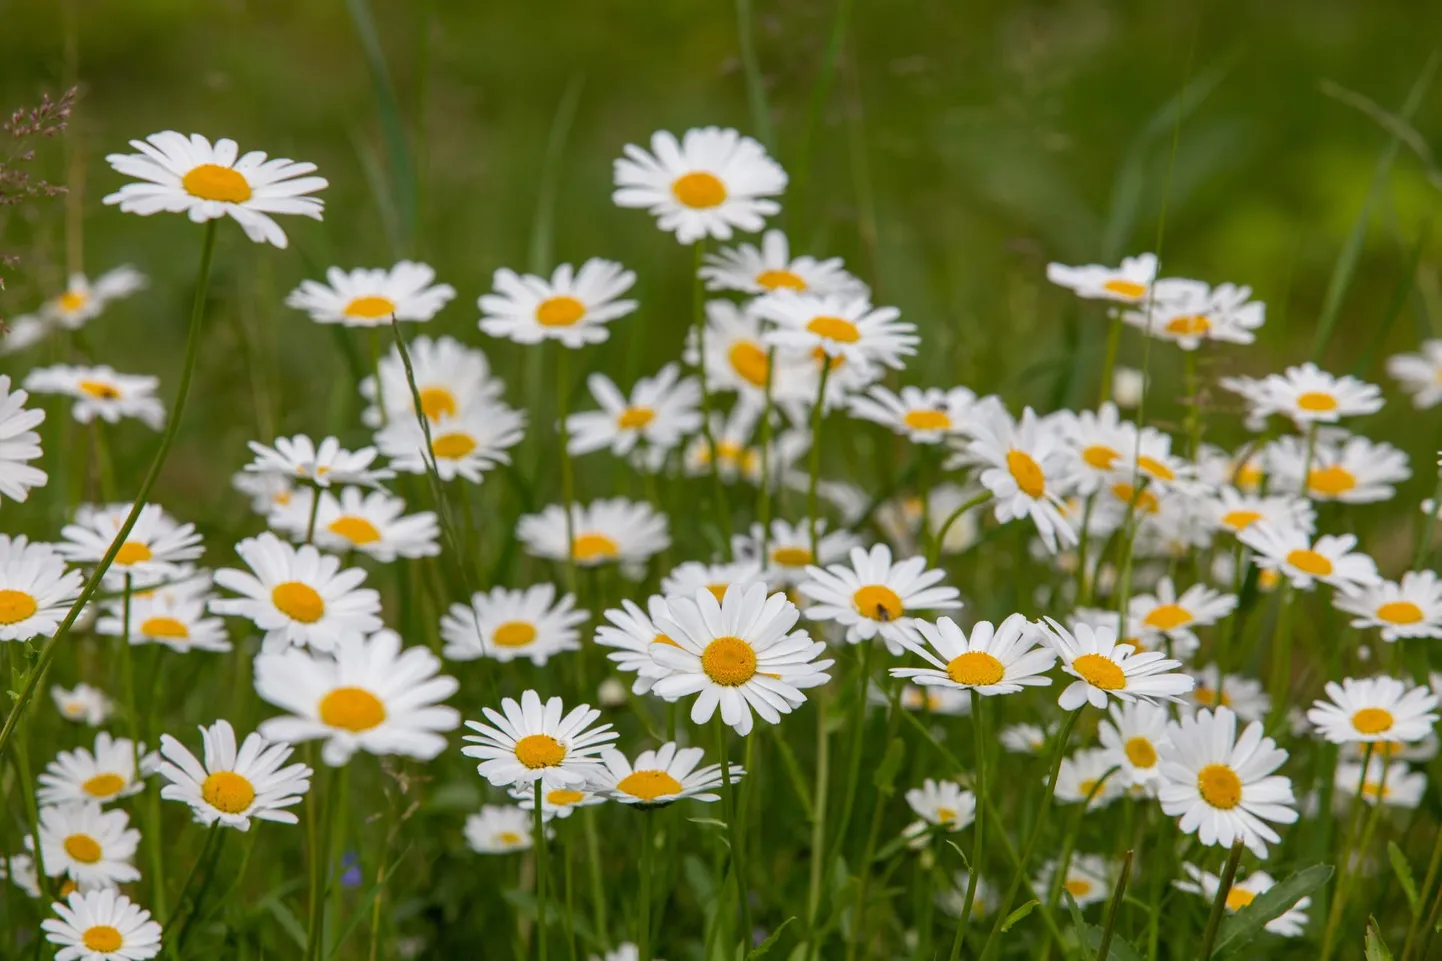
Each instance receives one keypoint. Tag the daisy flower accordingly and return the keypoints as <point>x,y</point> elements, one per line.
<point>625,951</point>
<point>1023,738</point>
<point>1245,696</point>
<point>1374,709</point>
<point>558,802</point>
<point>1411,608</point>
<point>365,694</point>
<point>1091,775</point>
<point>740,654</point>
<point>940,805</point>
<point>737,458</point>
<point>788,549</point>
<point>22,331</point>
<point>946,701</point>
<point>466,445</point>
<point>499,830</point>
<point>1391,783</point>
<point>631,632</point>
<point>504,624</point>
<point>152,552</point>
<point>266,491</point>
<point>1106,669</point>
<point>450,376</point>
<point>1087,880</point>
<point>1188,312</point>
<point>1023,465</point>
<point>1133,736</point>
<point>1128,284</point>
<point>18,443</point>
<point>188,175</point>
<point>923,416</point>
<point>370,298</point>
<point>872,595</point>
<point>90,846</point>
<point>848,328</point>
<point>83,301</point>
<point>1098,442</point>
<point>1165,615</point>
<point>953,900</point>
<point>21,873</point>
<point>901,519</point>
<point>739,360</point>
<point>298,457</point>
<point>750,269</point>
<point>372,522</point>
<point>101,926</point>
<point>1308,395</point>
<point>690,576</point>
<point>603,531</point>
<point>298,595</point>
<point>36,590</point>
<point>108,774</point>
<point>1129,386</point>
<point>1243,892</point>
<point>1233,511</point>
<point>993,660</point>
<point>712,181</point>
<point>232,787</point>
<point>573,307</point>
<point>1354,470</point>
<point>178,622</point>
<point>660,412</point>
<point>1420,374</point>
<point>83,703</point>
<point>532,741</point>
<point>1221,786</point>
<point>1293,554</point>
<point>101,392</point>
<point>659,777</point>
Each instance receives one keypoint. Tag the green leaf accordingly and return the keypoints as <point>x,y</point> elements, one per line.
<point>1375,949</point>
<point>1247,923</point>
<point>890,764</point>
<point>1403,870</point>
<point>1018,914</point>
<point>1121,949</point>
<point>957,848</point>
<point>1075,912</point>
<point>764,948</point>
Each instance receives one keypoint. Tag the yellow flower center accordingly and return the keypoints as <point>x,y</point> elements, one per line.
<point>791,556</point>
<point>536,751</point>
<point>834,328</point>
<point>438,402</point>
<point>975,668</point>
<point>945,815</point>
<point>103,938</point>
<point>1237,898</point>
<point>878,602</point>
<point>355,529</point>
<point>729,661</point>
<point>214,182</point>
<point>298,601</point>
<point>1373,789</point>
<point>228,792</point>
<point>15,606</point>
<point>1219,786</point>
<point>1167,617</point>
<point>1099,671</point>
<point>1125,288</point>
<point>1372,720</point>
<point>749,361</point>
<point>634,418</point>
<point>453,446</point>
<point>564,797</point>
<point>1100,456</point>
<point>1078,887</point>
<point>1393,612</point>
<point>592,547</point>
<point>1155,468</point>
<point>560,311</point>
<point>99,389</point>
<point>133,552</point>
<point>1310,562</point>
<point>1240,520</point>
<point>370,308</point>
<point>1026,472</point>
<point>166,627</point>
<point>649,785</point>
<point>105,785</point>
<point>926,419</point>
<point>1208,697</point>
<point>72,300</point>
<point>776,279</point>
<point>1317,401</point>
<point>352,709</point>
<point>510,838</point>
<point>1189,325</point>
<point>514,634</point>
<point>1140,752</point>
<point>1142,500</point>
<point>1331,481</point>
<point>83,848</point>
<point>699,190</point>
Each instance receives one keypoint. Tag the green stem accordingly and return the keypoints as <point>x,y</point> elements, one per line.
<point>598,887</point>
<point>822,794</point>
<point>568,474</point>
<point>643,926</point>
<point>320,870</point>
<point>1109,362</point>
<point>539,827</point>
<point>815,469</point>
<point>1118,892</point>
<point>858,743</point>
<point>952,518</point>
<point>1194,403</point>
<point>873,833</point>
<point>1281,675</point>
<point>1352,848</point>
<point>979,788</point>
<point>314,513</point>
<point>698,320</point>
<point>1427,881</point>
<point>1219,903</point>
<point>738,859</point>
<point>204,866</point>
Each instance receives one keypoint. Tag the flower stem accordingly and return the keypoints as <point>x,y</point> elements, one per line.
<point>951,519</point>
<point>1219,903</point>
<point>858,742</point>
<point>979,788</point>
<point>698,319</point>
<point>204,867</point>
<point>314,513</point>
<point>568,472</point>
<point>1109,362</point>
<point>817,412</point>
<point>539,827</point>
<point>1105,947</point>
<point>1352,849</point>
<point>821,793</point>
<point>320,870</point>
<point>733,831</point>
<point>643,926</point>
<point>1427,881</point>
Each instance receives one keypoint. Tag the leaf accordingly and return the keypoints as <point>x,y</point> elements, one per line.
<point>1375,948</point>
<point>287,921</point>
<point>1403,870</point>
<point>361,910</point>
<point>1075,912</point>
<point>764,948</point>
<point>957,848</point>
<point>1247,923</point>
<point>886,772</point>
<point>1121,949</point>
<point>1018,914</point>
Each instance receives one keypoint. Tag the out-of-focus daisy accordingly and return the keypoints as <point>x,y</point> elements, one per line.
<point>371,297</point>
<point>924,416</point>
<point>21,332</point>
<point>659,777</point>
<point>1391,783</point>
<point>36,590</point>
<point>1133,737</point>
<point>1374,709</point>
<point>1023,738</point>
<point>953,900</point>
<point>1129,386</point>
<point>366,694</point>
<point>603,531</point>
<point>1243,892</point>
<point>901,519</point>
<point>631,632</point>
<point>82,301</point>
<point>1329,559</point>
<point>737,458</point>
<point>82,703</point>
<point>1100,442</point>
<point>1411,608</point>
<point>1308,395</point>
<point>1245,696</point>
<point>504,624</point>
<point>374,523</point>
<point>298,595</point>
<point>300,458</point>
<point>1091,775</point>
<point>659,413</point>
<point>873,595</point>
<point>939,805</point>
<point>188,175</point>
<point>1175,618</point>
<point>946,701</point>
<point>534,741</point>
<point>499,830</point>
<point>625,951</point>
<point>101,926</point>
<point>20,870</point>
<point>1188,312</point>
<point>1106,669</point>
<point>266,491</point>
<point>1023,464</point>
<point>993,660</point>
<point>788,549</point>
<point>688,577</point>
<point>740,654</point>
<point>1234,511</point>
<point>105,775</point>
<point>738,359</point>
<point>750,269</point>
<point>711,182</point>
<point>231,786</point>
<point>179,623</point>
<point>558,802</point>
<point>1088,879</point>
<point>573,306</point>
<point>846,328</point>
<point>466,445</point>
<point>1222,786</point>
<point>90,846</point>
<point>152,552</point>
<point>450,377</point>
<point>18,443</point>
<point>101,392</point>
<point>1128,284</point>
<point>1420,374</point>
<point>1353,471</point>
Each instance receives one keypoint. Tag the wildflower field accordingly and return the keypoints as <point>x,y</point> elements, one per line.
<point>813,480</point>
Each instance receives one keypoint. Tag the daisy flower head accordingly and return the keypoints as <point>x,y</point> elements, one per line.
<point>1409,608</point>
<point>1388,782</point>
<point>530,741</point>
<point>366,694</point>
<point>740,654</point>
<point>497,829</point>
<point>945,701</point>
<point>298,595</point>
<point>82,301</point>
<point>1374,709</point>
<point>374,522</point>
<point>1105,669</point>
<point>230,787</point>
<point>573,306</point>
<point>736,456</point>
<point>738,359</point>
<point>266,491</point>
<point>952,900</point>
<point>631,632</point>
<point>1352,470</point>
<point>998,659</point>
<point>1023,465</point>
<point>1099,443</point>
<point>940,806</point>
<point>1296,556</point>
<point>709,183</point>
<point>82,703</point>
<point>1165,615</point>
<point>558,802</point>
<point>21,873</point>
<point>1244,696</point>
<point>873,595</point>
<point>1308,395</point>
<point>450,377</point>
<point>19,443</point>
<point>101,392</point>
<point>901,519</point>
<point>1088,879</point>
<point>1023,738</point>
<point>24,330</point>
<point>625,951</point>
<point>614,530</point>
<point>104,775</point>
<point>179,623</point>
<point>924,416</point>
<point>660,412</point>
<point>787,549</point>
<point>371,297</point>
<point>92,847</point>
<point>153,551</point>
<point>1133,736</point>
<point>466,445</point>
<point>1128,284</point>
<point>659,777</point>
<point>749,269</point>
<point>101,925</point>
<point>1243,892</point>
<point>1189,312</point>
<point>325,464</point>
<point>36,590</point>
<point>505,624</point>
<point>1232,511</point>
<point>1091,776</point>
<point>188,175</point>
<point>690,576</point>
<point>1222,786</point>
<point>1419,374</point>
<point>848,328</point>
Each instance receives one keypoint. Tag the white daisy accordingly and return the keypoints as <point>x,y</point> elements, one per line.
<point>1188,312</point>
<point>712,181</point>
<point>21,873</point>
<point>740,654</point>
<point>83,703</point>
<point>266,491</point>
<point>848,328</point>
<point>1292,553</point>
<point>231,786</point>
<point>1133,738</point>
<point>939,805</point>
<point>1245,696</point>
<point>1308,395</point>
<point>366,694</point>
<point>1106,668</point>
<point>993,660</point>
<point>503,624</point>
<point>532,741</point>
<point>374,523</point>
<point>1354,470</point>
<point>1221,786</point>
<point>1411,608</point>
<point>371,297</point>
<point>631,632</point>
<point>657,778</point>
<point>1420,374</point>
<point>154,551</point>
<point>1088,879</point>
<point>450,376</point>
<point>573,306</point>
<point>737,457</point>
<point>1023,738</point>
<point>1129,284</point>
<point>499,830</point>
<point>1099,443</point>
<point>105,775</point>
<point>924,416</point>
<point>625,951</point>
<point>603,531</point>
<point>1023,466</point>
<point>788,549</point>
<point>1165,615</point>
<point>101,926</point>
<point>690,576</point>
<point>558,802</point>
<point>1233,511</point>
<point>1091,775</point>
<point>739,360</point>
<point>759,270</point>
<point>92,847</point>
<point>18,443</point>
<point>1391,783</point>
<point>872,595</point>
<point>188,175</point>
<point>82,301</point>
<point>1129,386</point>
<point>952,900</point>
<point>300,458</point>
<point>466,445</point>
<point>24,330</point>
<point>157,617</point>
<point>901,518</point>
<point>660,412</point>
<point>945,701</point>
<point>1243,892</point>
<point>36,590</point>
<point>1374,709</point>
<point>298,595</point>
<point>101,392</point>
